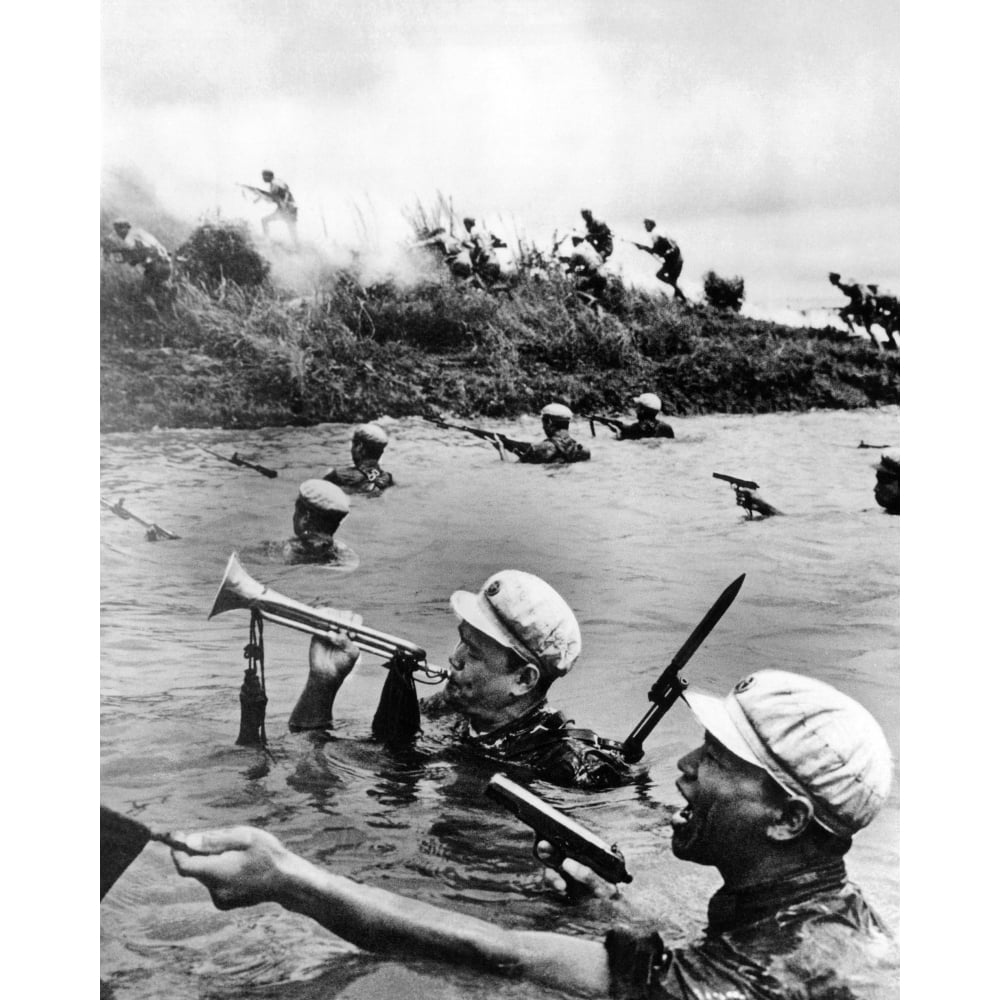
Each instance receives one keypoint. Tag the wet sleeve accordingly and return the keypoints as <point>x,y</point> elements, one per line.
<point>539,453</point>
<point>634,960</point>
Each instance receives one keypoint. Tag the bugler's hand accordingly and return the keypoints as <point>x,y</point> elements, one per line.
<point>334,653</point>
<point>241,866</point>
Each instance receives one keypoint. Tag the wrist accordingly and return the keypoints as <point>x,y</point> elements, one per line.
<point>295,882</point>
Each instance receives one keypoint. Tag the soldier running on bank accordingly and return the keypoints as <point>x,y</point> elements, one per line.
<point>860,308</point>
<point>669,252</point>
<point>586,266</point>
<point>142,249</point>
<point>598,234</point>
<point>285,209</point>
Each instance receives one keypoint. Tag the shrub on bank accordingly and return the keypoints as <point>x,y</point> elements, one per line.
<point>219,252</point>
<point>248,356</point>
<point>723,293</point>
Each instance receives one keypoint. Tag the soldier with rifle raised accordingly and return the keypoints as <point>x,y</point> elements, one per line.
<point>669,252</point>
<point>558,446</point>
<point>285,208</point>
<point>647,425</point>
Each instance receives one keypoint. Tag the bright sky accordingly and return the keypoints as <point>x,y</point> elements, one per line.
<point>763,136</point>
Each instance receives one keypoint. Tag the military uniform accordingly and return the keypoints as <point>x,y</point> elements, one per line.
<point>670,253</point>
<point>545,742</point>
<point>365,478</point>
<point>558,448</point>
<point>600,238</point>
<point>808,935</point>
<point>645,429</point>
<point>142,249</point>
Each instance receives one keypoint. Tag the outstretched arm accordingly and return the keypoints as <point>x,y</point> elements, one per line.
<point>244,866</point>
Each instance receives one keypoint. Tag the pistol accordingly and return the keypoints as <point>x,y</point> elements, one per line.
<point>568,838</point>
<point>740,484</point>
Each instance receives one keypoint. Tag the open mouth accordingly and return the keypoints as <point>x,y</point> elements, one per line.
<point>680,817</point>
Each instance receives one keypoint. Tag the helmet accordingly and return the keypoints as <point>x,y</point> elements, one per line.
<point>324,497</point>
<point>558,411</point>
<point>650,400</point>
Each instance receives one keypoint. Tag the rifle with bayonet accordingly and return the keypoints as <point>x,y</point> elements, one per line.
<point>745,498</point>
<point>568,838</point>
<point>670,685</point>
<point>154,533</point>
<point>612,422</point>
<point>499,441</point>
<point>260,192</point>
<point>242,462</point>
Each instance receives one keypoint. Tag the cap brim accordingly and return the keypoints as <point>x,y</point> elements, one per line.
<point>476,611</point>
<point>711,712</point>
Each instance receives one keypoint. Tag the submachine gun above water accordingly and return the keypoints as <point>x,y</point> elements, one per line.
<point>670,685</point>
<point>568,838</point>
<point>499,441</point>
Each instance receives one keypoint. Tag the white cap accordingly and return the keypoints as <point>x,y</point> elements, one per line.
<point>558,411</point>
<point>649,400</point>
<point>522,612</point>
<point>371,434</point>
<point>324,497</point>
<point>813,740</point>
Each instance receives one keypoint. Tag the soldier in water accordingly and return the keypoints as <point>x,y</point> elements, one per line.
<point>648,423</point>
<point>558,446</point>
<point>365,475</point>
<point>319,508</point>
<point>788,772</point>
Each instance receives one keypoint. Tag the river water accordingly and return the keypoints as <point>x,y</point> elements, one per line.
<point>640,541</point>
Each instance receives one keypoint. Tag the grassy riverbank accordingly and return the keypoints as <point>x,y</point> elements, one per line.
<point>350,351</point>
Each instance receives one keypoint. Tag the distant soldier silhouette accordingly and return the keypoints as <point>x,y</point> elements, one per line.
<point>669,252</point>
<point>598,234</point>
<point>587,268</point>
<point>482,246</point>
<point>285,208</point>
<point>887,314</point>
<point>860,308</point>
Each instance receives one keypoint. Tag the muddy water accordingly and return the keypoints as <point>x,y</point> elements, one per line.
<point>640,541</point>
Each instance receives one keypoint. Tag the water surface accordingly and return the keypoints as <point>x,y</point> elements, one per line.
<point>640,541</point>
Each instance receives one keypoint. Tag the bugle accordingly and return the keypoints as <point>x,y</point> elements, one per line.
<point>239,590</point>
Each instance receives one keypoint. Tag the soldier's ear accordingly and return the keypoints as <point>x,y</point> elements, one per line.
<point>792,818</point>
<point>528,677</point>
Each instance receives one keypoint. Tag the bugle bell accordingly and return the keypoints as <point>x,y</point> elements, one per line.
<point>239,590</point>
